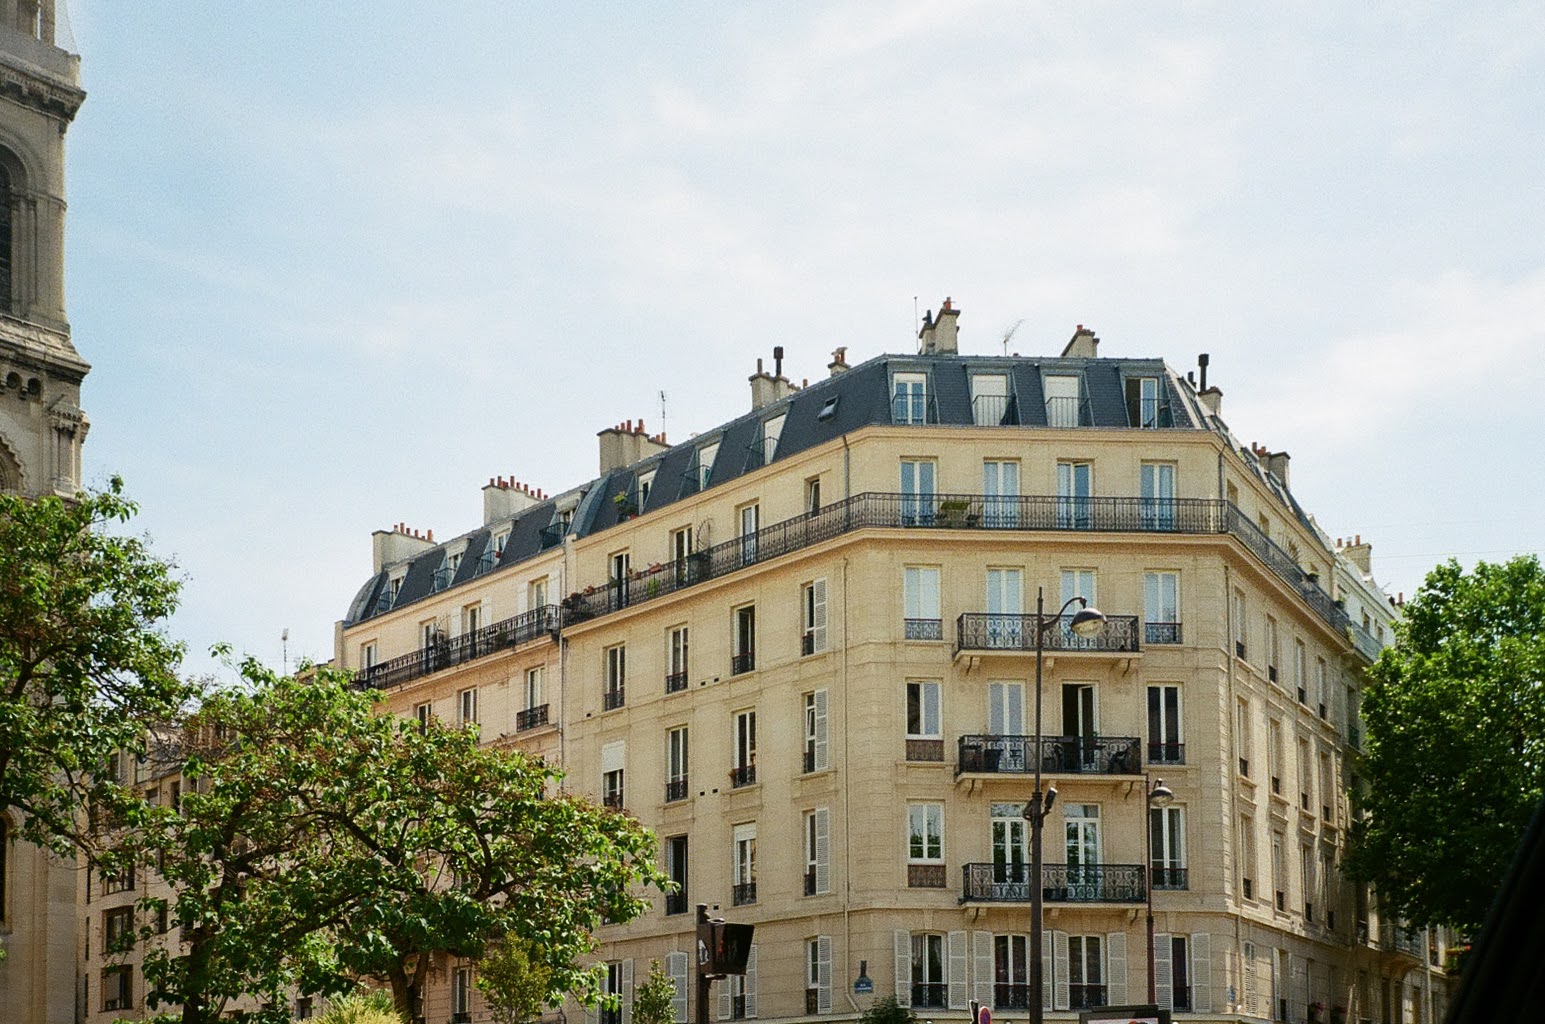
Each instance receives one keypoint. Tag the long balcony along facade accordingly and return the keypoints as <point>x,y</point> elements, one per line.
<point>539,623</point>
<point>994,631</point>
<point>1060,883</point>
<point>1076,755</point>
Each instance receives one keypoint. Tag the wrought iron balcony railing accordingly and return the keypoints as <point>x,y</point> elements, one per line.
<point>879,510</point>
<point>675,682</point>
<point>1079,755</point>
<point>1087,997</point>
<point>613,697</point>
<point>1166,753</point>
<point>1060,883</point>
<point>1161,632</point>
<point>742,775</point>
<point>531,718</point>
<point>1167,877</point>
<point>924,629</point>
<point>743,894</point>
<point>676,903</point>
<point>931,994</point>
<point>745,661</point>
<point>533,625</point>
<point>675,789</point>
<point>994,631</point>
<point>1010,997</point>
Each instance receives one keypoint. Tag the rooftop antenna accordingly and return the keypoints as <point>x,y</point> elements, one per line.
<point>284,639</point>
<point>1008,335</point>
<point>915,320</point>
<point>662,412</point>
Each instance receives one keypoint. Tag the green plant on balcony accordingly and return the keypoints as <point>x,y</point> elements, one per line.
<point>627,508</point>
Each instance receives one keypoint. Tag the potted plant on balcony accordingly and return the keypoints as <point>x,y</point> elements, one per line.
<point>627,508</point>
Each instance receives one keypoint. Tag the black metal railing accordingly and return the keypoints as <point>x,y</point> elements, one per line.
<point>1166,753</point>
<point>1180,998</point>
<point>675,682</point>
<point>926,876</point>
<point>1081,755</point>
<point>809,760</point>
<point>1065,412</point>
<point>531,718</point>
<point>995,411</point>
<point>914,408</point>
<point>676,903</point>
<point>613,697</point>
<point>1168,877</point>
<point>1087,997</point>
<point>675,789</point>
<point>742,775</point>
<point>807,643</point>
<point>879,510</point>
<point>745,661</point>
<point>933,994</point>
<point>1011,997</point>
<point>743,894</point>
<point>442,654</point>
<point>924,749</point>
<point>612,800</point>
<point>810,883</point>
<point>924,629</point>
<point>1161,633</point>
<point>994,631</point>
<point>1402,940</point>
<point>1060,883</point>
<point>812,1000</point>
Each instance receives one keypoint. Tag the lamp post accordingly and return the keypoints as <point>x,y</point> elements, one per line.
<point>1158,795</point>
<point>1087,622</point>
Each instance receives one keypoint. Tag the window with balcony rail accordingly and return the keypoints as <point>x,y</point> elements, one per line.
<point>743,894</point>
<point>743,775</point>
<point>675,682</point>
<point>531,718</point>
<point>675,789</point>
<point>613,698</point>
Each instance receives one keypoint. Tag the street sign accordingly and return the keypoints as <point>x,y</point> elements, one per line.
<point>984,1016</point>
<point>863,987</point>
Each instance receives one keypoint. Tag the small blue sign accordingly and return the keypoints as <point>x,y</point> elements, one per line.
<point>863,987</point>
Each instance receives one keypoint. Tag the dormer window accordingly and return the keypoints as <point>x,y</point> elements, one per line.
<point>909,398</point>
<point>989,399</point>
<point>828,410</point>
<point>1061,400</point>
<point>645,485</point>
<point>1143,402</point>
<point>705,459</point>
<point>771,430</point>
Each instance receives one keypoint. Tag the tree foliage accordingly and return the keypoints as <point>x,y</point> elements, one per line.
<point>1454,762</point>
<point>515,984</point>
<point>654,1002</point>
<point>361,1008</point>
<point>84,664</point>
<point>887,1010</point>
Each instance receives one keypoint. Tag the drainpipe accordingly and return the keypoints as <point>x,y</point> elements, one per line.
<point>847,814</point>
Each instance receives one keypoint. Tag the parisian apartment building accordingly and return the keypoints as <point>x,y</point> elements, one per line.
<point>801,648</point>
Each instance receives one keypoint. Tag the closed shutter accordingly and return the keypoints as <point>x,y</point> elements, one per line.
<point>1116,968</point>
<point>751,982</point>
<point>823,844</point>
<point>982,967</point>
<point>823,974</point>
<point>614,756</point>
<point>1048,974</point>
<point>676,966</point>
<point>724,999</point>
<point>1201,972</point>
<point>1063,998</point>
<point>818,614</point>
<point>627,991</point>
<point>821,747</point>
<point>1247,969</point>
<point>1163,972</point>
<point>904,968</point>
<point>958,994</point>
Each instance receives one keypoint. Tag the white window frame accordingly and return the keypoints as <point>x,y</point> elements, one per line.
<point>813,606</point>
<point>926,696</point>
<point>743,853</point>
<point>466,706</point>
<point>989,386</point>
<point>817,741</point>
<point>909,397</point>
<point>817,843</point>
<point>1061,397</point>
<point>678,752</point>
<point>772,430</point>
<point>920,593</point>
<point>925,833</point>
<point>535,680</point>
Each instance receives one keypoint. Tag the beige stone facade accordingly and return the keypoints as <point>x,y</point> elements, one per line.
<point>813,677</point>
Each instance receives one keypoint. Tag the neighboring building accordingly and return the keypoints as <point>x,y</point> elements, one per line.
<point>41,432</point>
<point>800,648</point>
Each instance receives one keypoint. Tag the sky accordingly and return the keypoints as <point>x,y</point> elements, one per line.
<point>337,264</point>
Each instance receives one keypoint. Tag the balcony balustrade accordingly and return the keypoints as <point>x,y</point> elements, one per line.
<point>1161,633</point>
<point>675,789</point>
<point>930,994</point>
<point>743,894</point>
<point>613,698</point>
<point>1061,883</point>
<point>536,624</point>
<point>1075,755</point>
<point>1166,753</point>
<point>924,629</point>
<point>992,631</point>
<point>676,903</point>
<point>743,662</point>
<point>1167,877</point>
<point>675,682</point>
<point>742,775</point>
<point>531,718</point>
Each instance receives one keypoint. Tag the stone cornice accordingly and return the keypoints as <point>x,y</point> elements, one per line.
<point>33,88</point>
<point>41,349</point>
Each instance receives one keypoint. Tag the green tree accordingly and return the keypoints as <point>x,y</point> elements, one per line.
<point>84,663</point>
<point>654,1002</point>
<point>515,985</point>
<point>361,1008</point>
<point>1455,757</point>
<point>886,1010</point>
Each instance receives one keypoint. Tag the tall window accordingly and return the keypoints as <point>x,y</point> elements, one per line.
<point>1061,400</point>
<point>744,658</point>
<point>1273,649</point>
<point>535,711</point>
<point>1278,870</point>
<point>1305,776</point>
<point>676,871</point>
<point>909,403</point>
<point>423,713</point>
<point>471,618</point>
<point>1075,481</point>
<point>1010,977</point>
<point>1241,625</point>
<point>1247,862</point>
<point>1275,754</point>
<point>812,603</point>
<point>813,495</point>
<point>118,988</point>
<point>1172,968</point>
<point>1086,972</point>
<point>616,664</point>
<point>917,492</point>
<point>930,985</point>
<point>989,399</point>
<point>619,566</point>
<point>1166,743</point>
<point>676,764</point>
<point>818,974</point>
<point>1321,689</point>
<point>744,866</point>
<point>613,761</point>
<point>1157,507</point>
<point>1009,847</point>
<point>645,487</point>
<point>750,517</point>
<point>817,851</point>
<point>705,460</point>
<point>771,430</point>
<point>1167,847</point>
<point>925,833</point>
<point>1143,402</point>
<point>676,647</point>
<point>744,771</point>
<point>7,295</point>
<point>1300,677</point>
<point>536,594</point>
<point>1244,740</point>
<point>681,553</point>
<point>1306,876</point>
<point>1000,490</point>
<point>816,746</point>
<point>461,995</point>
<point>367,657</point>
<point>923,709</point>
<point>467,704</point>
<point>920,587</point>
<point>1161,608</point>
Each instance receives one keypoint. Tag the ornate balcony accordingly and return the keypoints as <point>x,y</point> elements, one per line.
<point>1061,883</point>
<point>1015,634</point>
<point>531,718</point>
<point>540,623</point>
<point>613,698</point>
<point>742,775</point>
<point>1073,755</point>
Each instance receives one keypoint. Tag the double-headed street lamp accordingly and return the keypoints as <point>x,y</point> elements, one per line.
<point>1087,622</point>
<point>1160,796</point>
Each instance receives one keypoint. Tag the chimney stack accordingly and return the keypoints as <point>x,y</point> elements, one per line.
<point>1277,465</point>
<point>939,335</point>
<point>503,498</point>
<point>627,443</point>
<point>839,363</point>
<point>769,388</point>
<point>1359,554</point>
<point>1083,345</point>
<point>396,544</point>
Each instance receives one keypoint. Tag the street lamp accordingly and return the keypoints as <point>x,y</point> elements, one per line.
<point>1087,622</point>
<point>1160,796</point>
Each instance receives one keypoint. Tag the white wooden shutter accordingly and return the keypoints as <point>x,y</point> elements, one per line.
<point>1116,968</point>
<point>957,989</point>
<point>724,998</point>
<point>903,967</point>
<point>1247,969</point>
<point>823,974</point>
<point>614,756</point>
<point>818,613</point>
<point>751,982</point>
<point>1300,979</point>
<point>1063,998</point>
<point>982,967</point>
<point>676,967</point>
<point>1201,973</point>
<point>627,991</point>
<point>1163,971</point>
<point>821,745</point>
<point>1048,974</point>
<point>823,850</point>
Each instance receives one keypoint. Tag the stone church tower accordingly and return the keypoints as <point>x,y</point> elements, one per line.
<point>41,431</point>
<point>41,423</point>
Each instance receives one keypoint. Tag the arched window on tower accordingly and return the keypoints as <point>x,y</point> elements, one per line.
<point>7,302</point>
